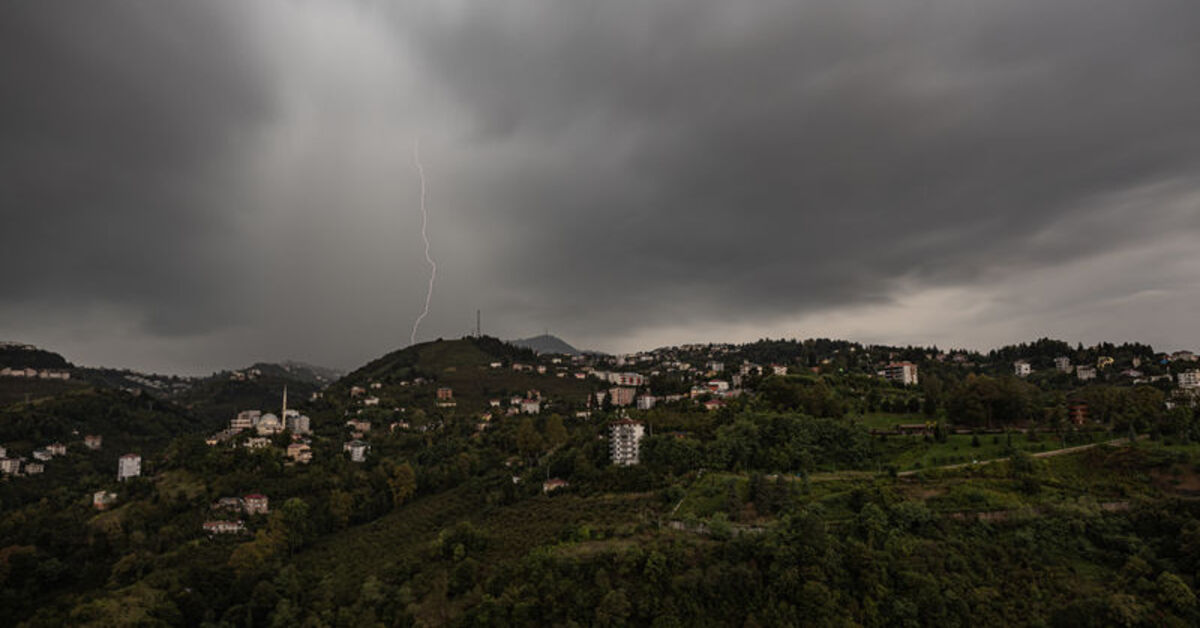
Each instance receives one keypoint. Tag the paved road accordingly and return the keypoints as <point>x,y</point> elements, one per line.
<point>1041,454</point>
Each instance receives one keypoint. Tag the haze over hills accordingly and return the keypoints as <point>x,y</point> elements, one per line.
<point>546,343</point>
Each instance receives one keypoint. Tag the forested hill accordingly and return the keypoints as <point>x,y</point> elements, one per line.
<point>17,355</point>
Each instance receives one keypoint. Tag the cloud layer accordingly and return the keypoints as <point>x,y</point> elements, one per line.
<point>223,182</point>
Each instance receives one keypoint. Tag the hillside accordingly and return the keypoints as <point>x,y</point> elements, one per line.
<point>546,344</point>
<point>18,355</point>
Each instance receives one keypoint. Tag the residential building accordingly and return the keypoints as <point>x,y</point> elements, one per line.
<point>1021,368</point>
<point>1063,364</point>
<point>553,484</point>
<point>355,391</point>
<point>625,437</point>
<point>233,504</point>
<point>258,442</point>
<point>1189,379</point>
<point>779,369</point>
<point>1085,373</point>
<point>129,466</point>
<point>300,452</point>
<point>531,406</point>
<point>359,425</point>
<point>716,367</point>
<point>10,466</point>
<point>224,527</point>
<point>93,441</point>
<point>904,373</point>
<point>358,450</point>
<point>445,394</point>
<point>713,404</point>
<point>3,452</point>
<point>245,420</point>
<point>101,500</point>
<point>42,454</point>
<point>298,423</point>
<point>646,402</point>
<point>620,396</point>
<point>34,468</point>
<point>256,504</point>
<point>371,401</point>
<point>718,386</point>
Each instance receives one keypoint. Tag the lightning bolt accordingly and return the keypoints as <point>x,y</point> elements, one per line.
<point>425,237</point>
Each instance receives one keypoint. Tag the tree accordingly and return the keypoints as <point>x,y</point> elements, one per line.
<point>402,481</point>
<point>556,434</point>
<point>529,442</point>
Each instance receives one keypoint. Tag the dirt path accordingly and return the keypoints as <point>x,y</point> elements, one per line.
<point>1041,454</point>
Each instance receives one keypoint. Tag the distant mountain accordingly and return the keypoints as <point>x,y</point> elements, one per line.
<point>546,343</point>
<point>300,371</point>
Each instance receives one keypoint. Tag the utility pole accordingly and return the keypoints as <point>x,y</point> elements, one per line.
<point>478,323</point>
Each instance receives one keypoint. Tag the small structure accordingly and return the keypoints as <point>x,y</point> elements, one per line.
<point>256,504</point>
<point>232,504</point>
<point>129,466</point>
<point>34,468</point>
<point>93,441</point>
<point>1077,413</point>
<point>713,405</point>
<point>646,402</point>
<point>1085,373</point>
<point>42,454</point>
<point>445,394</point>
<point>101,500</point>
<point>224,527</point>
<point>553,484</point>
<point>258,442</point>
<point>57,449</point>
<point>1021,368</point>
<point>531,406</point>
<point>359,425</point>
<point>778,369</point>
<point>10,466</point>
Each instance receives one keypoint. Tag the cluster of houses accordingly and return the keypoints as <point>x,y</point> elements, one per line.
<point>19,465</point>
<point>32,373</point>
<point>250,505</point>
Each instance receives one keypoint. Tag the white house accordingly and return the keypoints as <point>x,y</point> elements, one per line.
<point>1189,379</point>
<point>129,466</point>
<point>1021,368</point>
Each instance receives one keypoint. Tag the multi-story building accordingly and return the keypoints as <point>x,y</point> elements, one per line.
<point>298,423</point>
<point>244,420</point>
<point>716,367</point>
<point>256,504</point>
<point>300,452</point>
<point>1063,364</point>
<point>10,466</point>
<point>531,406</point>
<point>620,396</point>
<point>1189,379</point>
<point>646,402</point>
<point>357,449</point>
<point>129,466</point>
<point>1021,368</point>
<point>445,394</point>
<point>1085,373</point>
<point>904,373</point>
<point>625,437</point>
<point>93,441</point>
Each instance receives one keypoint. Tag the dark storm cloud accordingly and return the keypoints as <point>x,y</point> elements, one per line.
<point>120,123</point>
<point>754,159</point>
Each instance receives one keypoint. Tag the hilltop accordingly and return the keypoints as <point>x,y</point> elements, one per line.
<point>546,344</point>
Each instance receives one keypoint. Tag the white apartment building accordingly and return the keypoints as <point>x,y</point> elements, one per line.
<point>129,466</point>
<point>625,437</point>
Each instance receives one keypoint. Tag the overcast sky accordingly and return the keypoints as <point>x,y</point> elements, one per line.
<point>188,186</point>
